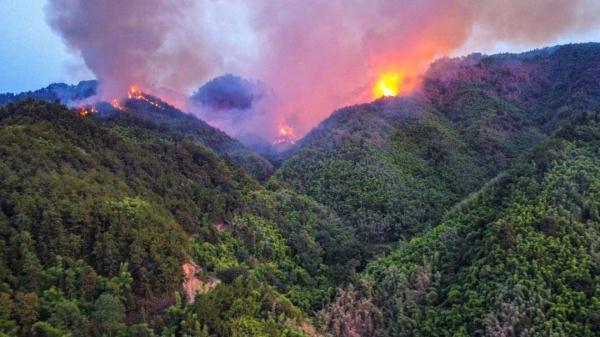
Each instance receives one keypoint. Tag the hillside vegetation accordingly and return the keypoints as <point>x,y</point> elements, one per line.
<point>98,216</point>
<point>390,169</point>
<point>223,145</point>
<point>519,258</point>
<point>468,208</point>
<point>157,111</point>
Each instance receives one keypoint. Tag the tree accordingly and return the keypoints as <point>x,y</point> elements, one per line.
<point>108,315</point>
<point>26,311</point>
<point>352,315</point>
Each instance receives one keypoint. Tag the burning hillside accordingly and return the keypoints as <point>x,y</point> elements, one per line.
<point>314,56</point>
<point>135,93</point>
<point>85,111</point>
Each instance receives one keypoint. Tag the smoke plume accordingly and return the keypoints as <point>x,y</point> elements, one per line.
<point>314,55</point>
<point>130,42</point>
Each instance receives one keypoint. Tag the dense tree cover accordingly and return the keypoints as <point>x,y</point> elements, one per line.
<point>390,168</point>
<point>486,233</point>
<point>98,215</point>
<point>228,148</point>
<point>519,258</point>
<point>245,307</point>
<point>159,112</point>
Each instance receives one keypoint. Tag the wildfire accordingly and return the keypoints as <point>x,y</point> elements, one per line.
<point>84,111</point>
<point>388,84</point>
<point>116,104</point>
<point>285,131</point>
<point>285,134</point>
<point>134,93</point>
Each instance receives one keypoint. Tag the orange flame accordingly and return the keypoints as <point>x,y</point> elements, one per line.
<point>285,134</point>
<point>134,93</point>
<point>84,111</point>
<point>285,131</point>
<point>388,84</point>
<point>117,104</point>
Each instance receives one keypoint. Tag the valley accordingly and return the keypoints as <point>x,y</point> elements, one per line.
<point>468,207</point>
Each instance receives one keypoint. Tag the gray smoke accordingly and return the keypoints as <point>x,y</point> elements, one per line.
<point>314,55</point>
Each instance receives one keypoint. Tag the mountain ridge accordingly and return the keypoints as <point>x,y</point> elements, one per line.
<point>468,208</point>
<point>517,258</point>
<point>492,108</point>
<point>161,113</point>
<point>98,218</point>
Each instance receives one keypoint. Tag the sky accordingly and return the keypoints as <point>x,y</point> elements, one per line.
<point>312,55</point>
<point>31,55</point>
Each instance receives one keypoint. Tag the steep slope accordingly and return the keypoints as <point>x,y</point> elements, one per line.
<point>391,168</point>
<point>98,216</point>
<point>217,140</point>
<point>162,113</point>
<point>549,84</point>
<point>519,258</point>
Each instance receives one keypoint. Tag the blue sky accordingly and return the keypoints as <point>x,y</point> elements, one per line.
<point>31,55</point>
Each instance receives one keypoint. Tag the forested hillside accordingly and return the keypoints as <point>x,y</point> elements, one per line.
<point>470,207</point>
<point>223,145</point>
<point>391,168</point>
<point>518,258</point>
<point>99,215</point>
<point>156,111</point>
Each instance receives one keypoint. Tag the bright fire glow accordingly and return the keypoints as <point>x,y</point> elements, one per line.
<point>134,93</point>
<point>285,134</point>
<point>84,111</point>
<point>388,84</point>
<point>116,104</point>
<point>285,131</point>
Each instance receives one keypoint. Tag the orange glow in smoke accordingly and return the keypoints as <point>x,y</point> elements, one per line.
<point>286,131</point>
<point>84,111</point>
<point>285,134</point>
<point>388,84</point>
<point>134,93</point>
<point>117,104</point>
